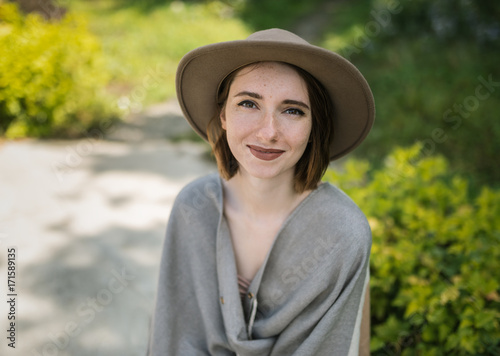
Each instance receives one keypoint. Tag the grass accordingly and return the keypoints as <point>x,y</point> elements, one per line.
<point>143,45</point>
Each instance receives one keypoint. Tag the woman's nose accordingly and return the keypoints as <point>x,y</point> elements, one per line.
<point>268,129</point>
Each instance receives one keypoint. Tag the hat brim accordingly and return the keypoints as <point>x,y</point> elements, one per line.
<point>201,71</point>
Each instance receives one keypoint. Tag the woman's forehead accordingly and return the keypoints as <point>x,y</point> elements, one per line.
<point>270,75</point>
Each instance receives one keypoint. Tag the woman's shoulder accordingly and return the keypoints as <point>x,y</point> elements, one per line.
<point>204,188</point>
<point>337,210</point>
<point>335,222</point>
<point>335,198</point>
<point>201,198</point>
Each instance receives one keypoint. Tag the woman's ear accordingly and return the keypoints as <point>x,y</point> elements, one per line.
<point>223,118</point>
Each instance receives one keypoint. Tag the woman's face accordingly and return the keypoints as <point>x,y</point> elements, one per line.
<point>267,118</point>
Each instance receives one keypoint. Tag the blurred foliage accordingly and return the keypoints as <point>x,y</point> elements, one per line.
<point>430,94</point>
<point>264,14</point>
<point>425,61</point>
<point>53,80</point>
<point>476,21</point>
<point>435,256</point>
<point>144,42</point>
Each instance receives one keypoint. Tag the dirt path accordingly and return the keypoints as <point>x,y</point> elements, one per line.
<point>87,218</point>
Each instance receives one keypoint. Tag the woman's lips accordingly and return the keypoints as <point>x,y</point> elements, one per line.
<point>265,154</point>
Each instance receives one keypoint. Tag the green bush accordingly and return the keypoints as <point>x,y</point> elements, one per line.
<point>447,99</point>
<point>435,256</point>
<point>53,78</point>
<point>434,75</point>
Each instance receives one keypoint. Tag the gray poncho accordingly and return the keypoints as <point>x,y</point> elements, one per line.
<point>306,299</point>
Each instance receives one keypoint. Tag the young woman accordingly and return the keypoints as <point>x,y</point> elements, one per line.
<point>263,258</point>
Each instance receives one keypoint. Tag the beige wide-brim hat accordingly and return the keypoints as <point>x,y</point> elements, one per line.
<point>202,70</point>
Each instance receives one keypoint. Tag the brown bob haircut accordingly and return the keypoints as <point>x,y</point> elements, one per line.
<point>316,157</point>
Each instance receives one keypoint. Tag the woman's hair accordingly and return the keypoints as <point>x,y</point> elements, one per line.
<point>314,161</point>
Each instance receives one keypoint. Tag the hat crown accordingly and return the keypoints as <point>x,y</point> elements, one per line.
<point>276,35</point>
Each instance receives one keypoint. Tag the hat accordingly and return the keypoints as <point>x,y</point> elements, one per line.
<point>202,70</point>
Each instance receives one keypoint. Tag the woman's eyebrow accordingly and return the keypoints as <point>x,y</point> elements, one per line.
<point>287,101</point>
<point>296,102</point>
<point>250,94</point>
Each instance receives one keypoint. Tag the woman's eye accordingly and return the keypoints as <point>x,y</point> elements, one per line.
<point>247,104</point>
<point>294,111</point>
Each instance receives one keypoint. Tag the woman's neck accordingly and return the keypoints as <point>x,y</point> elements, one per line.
<point>256,197</point>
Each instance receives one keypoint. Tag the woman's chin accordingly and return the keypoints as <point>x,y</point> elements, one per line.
<point>267,173</point>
